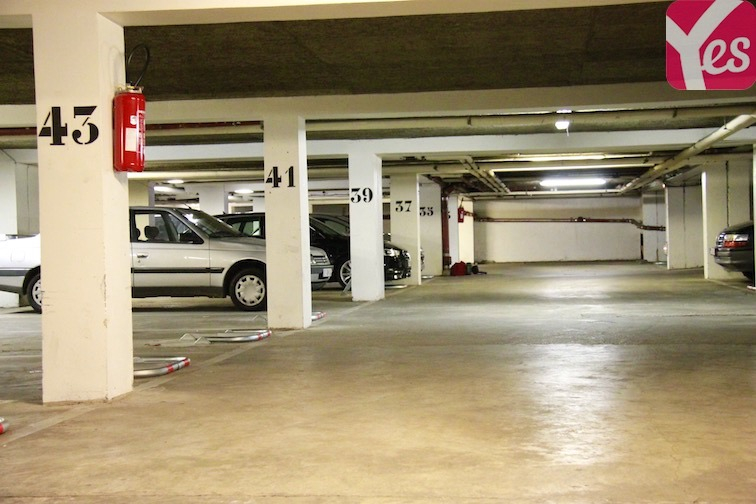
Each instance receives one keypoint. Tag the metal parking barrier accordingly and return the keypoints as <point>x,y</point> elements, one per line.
<point>3,425</point>
<point>318,315</point>
<point>227,336</point>
<point>158,366</point>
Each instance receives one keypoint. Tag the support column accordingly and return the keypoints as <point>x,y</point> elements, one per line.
<point>453,205</point>
<point>87,350</point>
<point>430,228</point>
<point>739,190</point>
<point>405,221</point>
<point>213,198</point>
<point>366,226</point>
<point>287,223</point>
<point>140,193</point>
<point>654,215</point>
<point>467,234</point>
<point>714,188</point>
<point>684,227</point>
<point>8,214</point>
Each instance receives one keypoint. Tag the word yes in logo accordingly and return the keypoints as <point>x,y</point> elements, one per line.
<point>711,44</point>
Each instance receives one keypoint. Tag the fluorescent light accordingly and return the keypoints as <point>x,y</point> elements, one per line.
<point>163,189</point>
<point>175,181</point>
<point>562,124</point>
<point>573,182</point>
<point>244,191</point>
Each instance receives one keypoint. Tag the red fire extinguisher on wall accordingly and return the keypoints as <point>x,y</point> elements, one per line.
<point>128,120</point>
<point>128,130</point>
<point>460,214</point>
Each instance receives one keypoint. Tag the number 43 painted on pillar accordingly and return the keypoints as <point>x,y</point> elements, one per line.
<point>57,130</point>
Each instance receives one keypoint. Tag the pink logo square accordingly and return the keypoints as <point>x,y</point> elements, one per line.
<point>711,44</point>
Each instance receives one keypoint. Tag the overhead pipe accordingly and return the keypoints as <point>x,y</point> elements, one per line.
<point>543,194</point>
<point>739,123</point>
<point>634,222</point>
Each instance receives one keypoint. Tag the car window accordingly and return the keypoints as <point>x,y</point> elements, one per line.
<point>161,227</point>
<point>254,227</point>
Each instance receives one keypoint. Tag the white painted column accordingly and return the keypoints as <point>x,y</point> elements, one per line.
<point>140,193</point>
<point>714,188</point>
<point>87,350</point>
<point>287,223</point>
<point>258,204</point>
<point>654,214</point>
<point>738,190</point>
<point>430,228</point>
<point>684,227</point>
<point>753,185</point>
<point>467,234</point>
<point>8,214</point>
<point>405,221</point>
<point>8,200</point>
<point>453,206</point>
<point>213,198</point>
<point>366,226</point>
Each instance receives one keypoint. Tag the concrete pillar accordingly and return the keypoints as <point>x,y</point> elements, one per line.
<point>753,191</point>
<point>8,214</point>
<point>654,214</point>
<point>86,321</point>
<point>258,204</point>
<point>366,226</point>
<point>454,203</point>
<point>739,190</point>
<point>684,227</point>
<point>430,228</point>
<point>287,223</point>
<point>405,221</point>
<point>467,234</point>
<point>213,198</point>
<point>714,189</point>
<point>141,193</point>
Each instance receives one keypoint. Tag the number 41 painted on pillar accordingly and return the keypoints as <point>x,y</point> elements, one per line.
<point>275,179</point>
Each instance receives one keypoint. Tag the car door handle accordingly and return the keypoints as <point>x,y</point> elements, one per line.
<point>142,256</point>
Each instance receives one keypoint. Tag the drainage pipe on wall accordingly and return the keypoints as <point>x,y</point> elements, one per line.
<point>739,123</point>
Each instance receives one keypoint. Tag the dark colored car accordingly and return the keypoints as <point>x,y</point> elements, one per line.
<point>396,261</point>
<point>734,250</point>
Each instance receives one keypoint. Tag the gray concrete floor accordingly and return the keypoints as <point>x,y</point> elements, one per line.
<point>598,383</point>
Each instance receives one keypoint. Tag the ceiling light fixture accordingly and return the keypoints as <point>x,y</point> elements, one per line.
<point>175,181</point>
<point>573,182</point>
<point>244,191</point>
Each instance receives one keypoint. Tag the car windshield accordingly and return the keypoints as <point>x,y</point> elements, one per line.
<point>211,226</point>
<point>325,230</point>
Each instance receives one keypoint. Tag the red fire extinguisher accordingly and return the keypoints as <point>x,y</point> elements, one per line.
<point>128,129</point>
<point>460,214</point>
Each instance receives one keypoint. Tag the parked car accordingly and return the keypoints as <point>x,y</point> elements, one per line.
<point>396,261</point>
<point>734,249</point>
<point>174,252</point>
<point>341,225</point>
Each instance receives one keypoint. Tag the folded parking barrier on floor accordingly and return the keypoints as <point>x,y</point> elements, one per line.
<point>227,336</point>
<point>158,366</point>
<point>3,425</point>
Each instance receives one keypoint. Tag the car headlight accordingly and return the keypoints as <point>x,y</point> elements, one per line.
<point>390,252</point>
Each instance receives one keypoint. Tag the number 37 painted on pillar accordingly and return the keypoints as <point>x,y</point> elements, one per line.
<point>711,44</point>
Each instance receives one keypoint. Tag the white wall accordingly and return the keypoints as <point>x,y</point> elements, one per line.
<point>558,241</point>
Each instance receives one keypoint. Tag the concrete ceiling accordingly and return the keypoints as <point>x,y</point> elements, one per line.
<point>525,49</point>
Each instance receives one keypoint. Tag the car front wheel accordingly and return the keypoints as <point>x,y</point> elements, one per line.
<point>34,293</point>
<point>248,290</point>
<point>345,272</point>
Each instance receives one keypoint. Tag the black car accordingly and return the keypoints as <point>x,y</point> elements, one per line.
<point>734,250</point>
<point>396,261</point>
